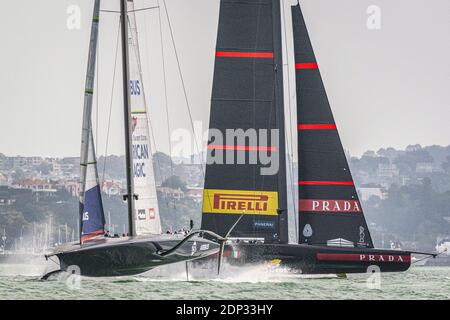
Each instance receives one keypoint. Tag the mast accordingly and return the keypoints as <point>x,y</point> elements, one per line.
<point>279,101</point>
<point>129,197</point>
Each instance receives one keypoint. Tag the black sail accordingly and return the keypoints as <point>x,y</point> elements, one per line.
<point>329,209</point>
<point>247,94</point>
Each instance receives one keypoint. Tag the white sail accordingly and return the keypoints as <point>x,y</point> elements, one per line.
<point>147,220</point>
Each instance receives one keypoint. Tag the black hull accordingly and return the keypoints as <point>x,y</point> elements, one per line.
<point>115,257</point>
<point>308,259</point>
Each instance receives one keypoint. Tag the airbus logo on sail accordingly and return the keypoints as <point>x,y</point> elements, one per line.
<point>315,205</point>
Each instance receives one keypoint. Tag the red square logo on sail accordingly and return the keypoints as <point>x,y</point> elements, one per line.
<point>151,212</point>
<point>134,121</point>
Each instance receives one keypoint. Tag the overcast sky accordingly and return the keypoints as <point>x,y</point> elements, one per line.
<point>387,87</point>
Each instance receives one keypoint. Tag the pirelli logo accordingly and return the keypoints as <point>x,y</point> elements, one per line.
<point>240,202</point>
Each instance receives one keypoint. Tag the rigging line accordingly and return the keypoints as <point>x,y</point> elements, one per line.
<point>111,103</point>
<point>184,89</point>
<point>168,200</point>
<point>152,134</point>
<point>425,258</point>
<point>276,89</point>
<point>290,145</point>
<point>135,10</point>
<point>97,91</point>
<point>135,49</point>
<point>258,24</point>
<point>203,165</point>
<point>165,91</point>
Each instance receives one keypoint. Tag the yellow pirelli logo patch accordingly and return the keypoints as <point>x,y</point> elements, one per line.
<point>240,202</point>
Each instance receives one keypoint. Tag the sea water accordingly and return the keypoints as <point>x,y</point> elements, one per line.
<point>255,282</point>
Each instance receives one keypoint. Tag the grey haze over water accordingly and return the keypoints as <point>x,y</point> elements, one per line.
<point>387,87</point>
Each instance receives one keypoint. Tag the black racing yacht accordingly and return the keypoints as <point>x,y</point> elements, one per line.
<point>144,247</point>
<point>287,163</point>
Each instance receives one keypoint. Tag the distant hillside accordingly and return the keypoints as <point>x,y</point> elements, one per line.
<point>114,168</point>
<point>389,166</point>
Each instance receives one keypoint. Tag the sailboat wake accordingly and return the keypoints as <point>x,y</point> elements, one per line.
<point>32,267</point>
<point>263,273</point>
<point>254,273</point>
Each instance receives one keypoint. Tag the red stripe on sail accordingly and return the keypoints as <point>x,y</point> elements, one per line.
<point>364,257</point>
<point>241,148</point>
<point>327,183</point>
<point>302,126</point>
<point>307,65</point>
<point>263,55</point>
<point>92,235</point>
